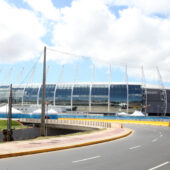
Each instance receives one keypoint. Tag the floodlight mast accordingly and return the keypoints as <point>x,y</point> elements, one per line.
<point>42,129</point>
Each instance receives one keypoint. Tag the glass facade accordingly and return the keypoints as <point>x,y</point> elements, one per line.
<point>49,93</point>
<point>81,96</point>
<point>30,95</point>
<point>4,94</point>
<point>18,93</point>
<point>63,94</point>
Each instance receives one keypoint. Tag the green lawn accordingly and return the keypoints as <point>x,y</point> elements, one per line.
<point>15,124</point>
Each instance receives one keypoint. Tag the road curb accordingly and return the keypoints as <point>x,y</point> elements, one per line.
<point>64,147</point>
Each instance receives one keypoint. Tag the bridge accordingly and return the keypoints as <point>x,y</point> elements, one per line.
<point>74,124</point>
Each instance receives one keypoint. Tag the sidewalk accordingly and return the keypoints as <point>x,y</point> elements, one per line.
<point>18,148</point>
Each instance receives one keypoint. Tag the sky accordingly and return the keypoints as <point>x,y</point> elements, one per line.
<point>81,33</point>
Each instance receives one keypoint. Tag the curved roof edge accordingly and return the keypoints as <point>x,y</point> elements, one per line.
<point>38,85</point>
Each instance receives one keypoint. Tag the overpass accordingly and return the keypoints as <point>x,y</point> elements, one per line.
<point>73,124</point>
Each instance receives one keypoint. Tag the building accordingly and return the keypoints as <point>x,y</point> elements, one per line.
<point>93,97</point>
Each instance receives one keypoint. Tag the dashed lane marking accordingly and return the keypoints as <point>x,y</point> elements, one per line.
<point>135,147</point>
<point>86,159</point>
<point>158,166</point>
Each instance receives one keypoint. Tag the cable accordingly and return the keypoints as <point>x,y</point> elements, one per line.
<point>32,70</point>
<point>66,53</point>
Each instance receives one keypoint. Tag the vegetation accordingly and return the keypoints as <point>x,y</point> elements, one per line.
<point>15,125</point>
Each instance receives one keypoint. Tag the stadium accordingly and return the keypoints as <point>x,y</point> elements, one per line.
<point>107,98</point>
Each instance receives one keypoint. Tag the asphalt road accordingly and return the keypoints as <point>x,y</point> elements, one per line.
<point>147,148</point>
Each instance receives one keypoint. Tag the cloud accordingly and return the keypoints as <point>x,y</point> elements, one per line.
<point>20,34</point>
<point>45,7</point>
<point>147,6</point>
<point>90,28</point>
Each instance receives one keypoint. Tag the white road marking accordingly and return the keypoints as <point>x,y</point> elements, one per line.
<point>86,159</point>
<point>158,166</point>
<point>135,147</point>
<point>154,140</point>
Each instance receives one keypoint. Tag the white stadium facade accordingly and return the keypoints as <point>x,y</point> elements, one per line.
<point>107,98</point>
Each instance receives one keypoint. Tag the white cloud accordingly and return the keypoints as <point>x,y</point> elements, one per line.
<point>45,7</point>
<point>148,6</point>
<point>20,34</point>
<point>90,28</point>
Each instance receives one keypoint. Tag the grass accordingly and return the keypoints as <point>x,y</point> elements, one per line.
<point>15,125</point>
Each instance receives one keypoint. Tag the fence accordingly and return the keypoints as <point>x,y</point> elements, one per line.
<point>89,123</point>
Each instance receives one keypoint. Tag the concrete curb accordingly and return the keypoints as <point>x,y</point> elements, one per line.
<point>64,147</point>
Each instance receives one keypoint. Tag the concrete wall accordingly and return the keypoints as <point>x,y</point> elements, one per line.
<point>31,133</point>
<point>21,134</point>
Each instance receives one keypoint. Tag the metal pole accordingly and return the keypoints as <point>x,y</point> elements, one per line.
<point>164,93</point>
<point>91,85</point>
<point>38,95</point>
<point>23,94</point>
<point>127,87</point>
<point>42,129</point>
<point>72,89</point>
<point>59,82</point>
<point>145,89</point>
<point>109,88</point>
<point>9,109</point>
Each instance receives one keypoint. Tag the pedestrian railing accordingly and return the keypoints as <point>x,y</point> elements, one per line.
<point>87,123</point>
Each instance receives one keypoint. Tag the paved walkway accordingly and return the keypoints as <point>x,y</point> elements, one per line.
<point>18,148</point>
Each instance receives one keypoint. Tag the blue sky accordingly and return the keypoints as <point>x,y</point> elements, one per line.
<point>116,32</point>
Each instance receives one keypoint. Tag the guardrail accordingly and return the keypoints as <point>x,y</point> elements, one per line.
<point>86,123</point>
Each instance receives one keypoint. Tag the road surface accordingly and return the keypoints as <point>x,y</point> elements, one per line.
<point>148,148</point>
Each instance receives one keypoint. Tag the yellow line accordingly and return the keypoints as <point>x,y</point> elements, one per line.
<point>154,123</point>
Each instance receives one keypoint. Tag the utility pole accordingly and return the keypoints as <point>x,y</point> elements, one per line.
<point>42,128</point>
<point>8,133</point>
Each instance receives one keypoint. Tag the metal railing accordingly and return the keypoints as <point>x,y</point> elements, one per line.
<point>86,123</point>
